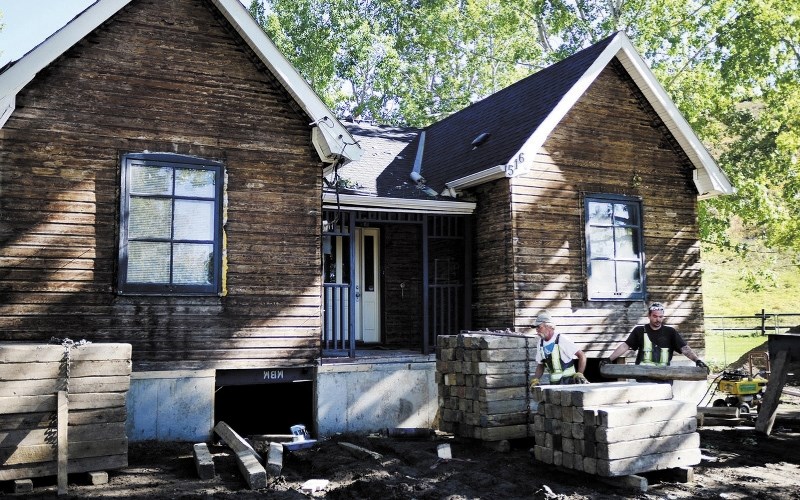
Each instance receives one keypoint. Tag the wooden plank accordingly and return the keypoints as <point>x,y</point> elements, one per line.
<point>27,404</point>
<point>23,352</point>
<point>769,405</point>
<point>63,446</point>
<point>613,370</point>
<point>644,431</point>
<point>648,446</point>
<point>643,412</point>
<point>76,465</point>
<point>604,393</point>
<point>93,401</point>
<point>53,369</point>
<point>48,452</point>
<point>91,432</point>
<point>645,463</point>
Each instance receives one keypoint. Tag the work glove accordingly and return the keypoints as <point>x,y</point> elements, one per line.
<point>534,382</point>
<point>700,363</point>
<point>579,378</point>
<point>604,362</point>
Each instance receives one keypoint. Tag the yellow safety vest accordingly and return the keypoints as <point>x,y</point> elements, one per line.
<point>554,366</point>
<point>647,353</point>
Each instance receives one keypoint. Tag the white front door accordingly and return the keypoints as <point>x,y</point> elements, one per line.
<point>368,326</point>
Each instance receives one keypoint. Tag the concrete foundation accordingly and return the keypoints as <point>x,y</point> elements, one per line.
<point>171,406</point>
<point>369,396</point>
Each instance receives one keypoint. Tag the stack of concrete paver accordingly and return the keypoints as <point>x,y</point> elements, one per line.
<point>615,428</point>
<point>483,385</point>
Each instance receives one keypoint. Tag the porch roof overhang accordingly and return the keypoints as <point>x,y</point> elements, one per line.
<point>382,204</point>
<point>331,139</point>
<point>709,179</point>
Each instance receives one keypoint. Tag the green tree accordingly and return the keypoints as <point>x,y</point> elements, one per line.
<point>731,66</point>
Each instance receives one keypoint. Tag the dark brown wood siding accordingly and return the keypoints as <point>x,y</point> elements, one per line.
<point>609,142</point>
<point>167,76</point>
<point>493,287</point>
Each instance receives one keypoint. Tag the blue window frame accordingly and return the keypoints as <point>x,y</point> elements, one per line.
<point>614,248</point>
<point>170,225</point>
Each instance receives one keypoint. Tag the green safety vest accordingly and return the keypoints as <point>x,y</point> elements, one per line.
<point>648,352</point>
<point>554,366</point>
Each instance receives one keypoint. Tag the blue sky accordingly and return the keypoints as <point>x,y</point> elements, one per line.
<point>27,23</point>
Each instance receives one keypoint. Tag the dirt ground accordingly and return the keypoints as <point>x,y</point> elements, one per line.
<point>738,463</point>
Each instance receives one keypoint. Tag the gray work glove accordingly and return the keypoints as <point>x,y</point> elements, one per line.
<point>579,378</point>
<point>700,363</point>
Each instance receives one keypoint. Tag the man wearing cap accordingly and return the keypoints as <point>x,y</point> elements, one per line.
<point>655,342</point>
<point>559,353</point>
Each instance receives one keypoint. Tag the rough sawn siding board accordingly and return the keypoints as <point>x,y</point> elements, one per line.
<point>606,138</point>
<point>163,77</point>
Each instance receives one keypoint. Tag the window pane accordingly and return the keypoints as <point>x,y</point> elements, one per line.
<point>148,262</point>
<point>149,218</point>
<point>194,182</point>
<point>151,180</point>
<point>626,214</point>
<point>193,264</point>
<point>628,278</point>
<point>194,220</point>
<point>600,213</point>
<point>622,214</point>
<point>601,278</point>
<point>626,243</point>
<point>601,242</point>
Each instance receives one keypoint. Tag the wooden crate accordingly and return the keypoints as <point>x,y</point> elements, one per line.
<point>94,385</point>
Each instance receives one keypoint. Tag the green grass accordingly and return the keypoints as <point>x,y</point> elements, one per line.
<point>722,350</point>
<point>737,286</point>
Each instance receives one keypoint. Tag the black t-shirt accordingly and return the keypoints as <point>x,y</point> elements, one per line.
<point>665,337</point>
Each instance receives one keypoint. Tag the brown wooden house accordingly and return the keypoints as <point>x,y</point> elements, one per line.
<point>168,180</point>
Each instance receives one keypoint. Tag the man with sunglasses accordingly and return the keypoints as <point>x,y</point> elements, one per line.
<point>655,342</point>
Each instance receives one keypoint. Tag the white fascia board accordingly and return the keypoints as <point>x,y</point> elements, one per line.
<point>7,106</point>
<point>477,178</point>
<point>380,204</point>
<point>339,141</point>
<point>25,68</point>
<point>710,180</point>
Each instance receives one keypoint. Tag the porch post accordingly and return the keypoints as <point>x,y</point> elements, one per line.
<point>426,344</point>
<point>467,273</point>
<point>351,311</point>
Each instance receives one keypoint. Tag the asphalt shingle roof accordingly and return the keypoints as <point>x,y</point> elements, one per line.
<point>510,115</point>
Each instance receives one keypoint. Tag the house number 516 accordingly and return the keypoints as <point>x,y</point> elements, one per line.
<point>516,167</point>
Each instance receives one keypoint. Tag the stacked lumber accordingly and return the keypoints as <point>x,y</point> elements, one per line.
<point>482,381</point>
<point>614,429</point>
<point>86,432</point>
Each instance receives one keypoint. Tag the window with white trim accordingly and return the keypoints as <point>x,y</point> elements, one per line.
<point>170,225</point>
<point>614,248</point>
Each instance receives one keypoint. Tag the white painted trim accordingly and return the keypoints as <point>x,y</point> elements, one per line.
<point>487,175</point>
<point>26,68</point>
<point>7,106</point>
<point>379,204</point>
<point>710,181</point>
<point>339,140</point>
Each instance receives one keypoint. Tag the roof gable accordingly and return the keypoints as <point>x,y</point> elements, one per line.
<point>522,116</point>
<point>330,137</point>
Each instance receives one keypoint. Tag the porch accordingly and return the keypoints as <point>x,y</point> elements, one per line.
<point>405,275</point>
